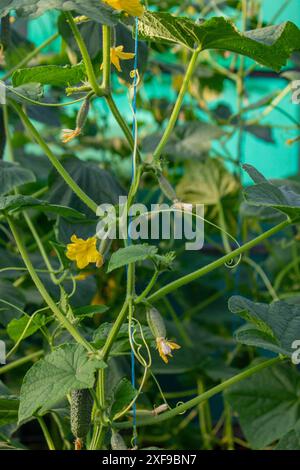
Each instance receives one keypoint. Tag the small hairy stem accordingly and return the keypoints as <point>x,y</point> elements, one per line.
<point>106,34</point>
<point>204,396</point>
<point>43,291</point>
<point>85,55</point>
<point>55,162</point>
<point>46,433</point>
<point>19,362</point>
<point>171,124</point>
<point>216,264</point>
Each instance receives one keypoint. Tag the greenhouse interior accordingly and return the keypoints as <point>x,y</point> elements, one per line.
<point>150,228</point>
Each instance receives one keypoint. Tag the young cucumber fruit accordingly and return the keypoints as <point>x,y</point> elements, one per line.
<point>81,410</point>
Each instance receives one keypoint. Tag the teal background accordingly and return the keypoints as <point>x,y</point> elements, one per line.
<point>273,160</point>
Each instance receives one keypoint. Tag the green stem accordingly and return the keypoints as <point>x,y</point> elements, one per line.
<point>203,422</point>
<point>85,55</point>
<point>20,362</point>
<point>148,289</point>
<point>228,431</point>
<point>216,264</point>
<point>43,291</point>
<point>114,331</point>
<point>7,133</point>
<point>171,124</point>
<point>118,117</point>
<point>55,162</point>
<point>40,247</point>
<point>204,396</point>
<point>46,433</point>
<point>106,34</point>
<point>30,56</point>
<point>223,226</point>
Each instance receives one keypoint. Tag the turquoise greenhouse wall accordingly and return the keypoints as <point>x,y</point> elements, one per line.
<point>274,160</point>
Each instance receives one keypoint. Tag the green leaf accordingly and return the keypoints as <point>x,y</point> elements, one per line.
<point>32,91</point>
<point>130,254</point>
<point>52,378</point>
<point>282,198</point>
<point>9,406</point>
<point>12,176</point>
<point>95,9</point>
<point>50,75</point>
<point>18,203</point>
<point>12,302</point>
<point>291,441</point>
<point>123,394</point>
<point>17,327</point>
<point>98,184</point>
<point>268,404</point>
<point>90,310</point>
<point>270,46</point>
<point>189,141</point>
<point>277,324</point>
<point>206,183</point>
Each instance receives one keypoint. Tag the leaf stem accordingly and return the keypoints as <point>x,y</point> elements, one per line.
<point>85,55</point>
<point>204,396</point>
<point>171,124</point>
<point>46,433</point>
<point>114,331</point>
<point>53,159</point>
<point>43,291</point>
<point>216,264</point>
<point>118,117</point>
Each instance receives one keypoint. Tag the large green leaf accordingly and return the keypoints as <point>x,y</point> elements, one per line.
<point>265,194</point>
<point>93,8</point>
<point>98,184</point>
<point>50,75</point>
<point>18,203</point>
<point>130,254</point>
<point>189,141</point>
<point>13,175</point>
<point>52,378</point>
<point>275,326</point>
<point>270,46</point>
<point>268,404</point>
<point>206,183</point>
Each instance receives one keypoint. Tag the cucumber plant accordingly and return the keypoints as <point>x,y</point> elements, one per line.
<point>77,308</point>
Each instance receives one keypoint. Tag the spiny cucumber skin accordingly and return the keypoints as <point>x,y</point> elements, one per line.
<point>81,410</point>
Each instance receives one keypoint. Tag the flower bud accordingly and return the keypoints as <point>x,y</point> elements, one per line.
<point>83,114</point>
<point>156,323</point>
<point>117,442</point>
<point>166,187</point>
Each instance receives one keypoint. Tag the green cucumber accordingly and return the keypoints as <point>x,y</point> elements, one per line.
<point>81,411</point>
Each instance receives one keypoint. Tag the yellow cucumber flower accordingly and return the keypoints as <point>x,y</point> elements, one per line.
<point>132,7</point>
<point>165,348</point>
<point>84,252</point>
<point>117,54</point>
<point>70,134</point>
